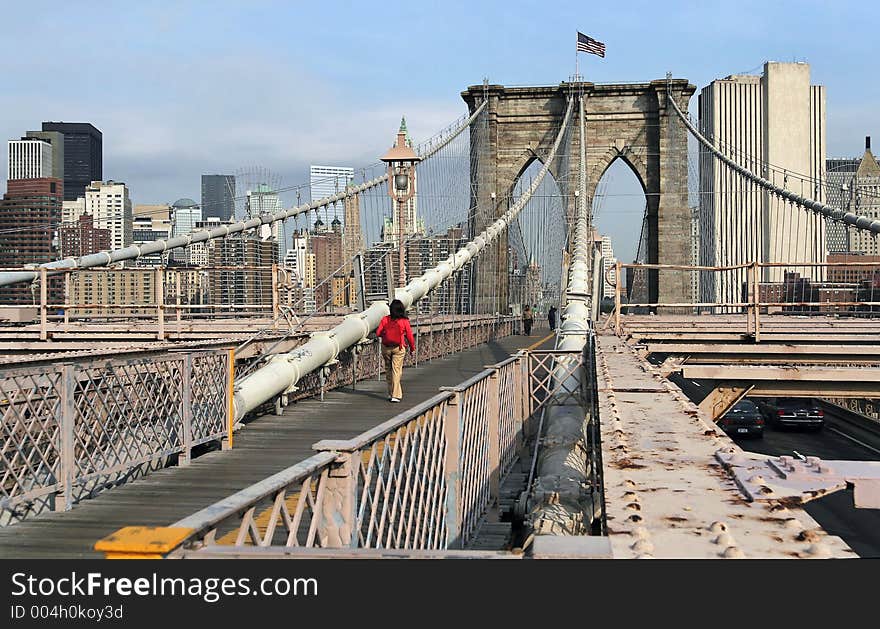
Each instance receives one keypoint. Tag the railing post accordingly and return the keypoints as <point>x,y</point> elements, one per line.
<point>186,411</point>
<point>493,415</point>
<point>617,299</point>
<point>177,301</point>
<point>526,380</point>
<point>66,299</point>
<point>276,306</point>
<point>418,342</point>
<point>44,308</point>
<point>226,443</point>
<point>520,394</point>
<point>757,307</point>
<point>160,303</point>
<point>452,473</point>
<point>337,528</point>
<point>67,472</point>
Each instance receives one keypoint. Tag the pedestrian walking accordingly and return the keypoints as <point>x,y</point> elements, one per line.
<point>528,318</point>
<point>395,333</point>
<point>551,317</point>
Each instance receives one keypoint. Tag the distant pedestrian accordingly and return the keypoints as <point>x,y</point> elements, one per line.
<point>395,332</point>
<point>528,318</point>
<point>551,317</point>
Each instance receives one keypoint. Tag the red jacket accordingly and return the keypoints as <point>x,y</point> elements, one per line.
<point>393,332</point>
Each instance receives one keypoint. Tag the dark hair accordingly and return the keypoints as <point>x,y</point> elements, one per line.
<point>398,310</point>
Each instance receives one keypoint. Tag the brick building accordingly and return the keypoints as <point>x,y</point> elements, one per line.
<point>82,238</point>
<point>30,214</point>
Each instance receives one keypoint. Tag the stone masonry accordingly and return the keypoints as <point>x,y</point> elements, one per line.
<point>628,121</point>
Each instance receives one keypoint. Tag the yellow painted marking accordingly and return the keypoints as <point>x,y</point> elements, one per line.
<point>541,342</point>
<point>144,542</point>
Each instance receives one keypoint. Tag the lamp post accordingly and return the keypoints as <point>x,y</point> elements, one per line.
<point>401,160</point>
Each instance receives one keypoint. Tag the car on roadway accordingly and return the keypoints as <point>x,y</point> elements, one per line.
<point>801,413</point>
<point>744,419</point>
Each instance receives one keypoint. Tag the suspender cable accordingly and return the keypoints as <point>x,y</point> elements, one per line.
<point>860,222</point>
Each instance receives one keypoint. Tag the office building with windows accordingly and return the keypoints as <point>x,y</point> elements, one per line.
<point>110,206</point>
<point>773,124</point>
<point>29,158</point>
<point>218,197</point>
<point>83,156</point>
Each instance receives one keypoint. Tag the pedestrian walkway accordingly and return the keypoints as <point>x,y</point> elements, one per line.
<point>263,447</point>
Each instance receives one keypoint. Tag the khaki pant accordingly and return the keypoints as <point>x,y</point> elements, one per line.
<point>393,369</point>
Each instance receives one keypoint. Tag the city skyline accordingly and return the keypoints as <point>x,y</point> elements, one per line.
<point>161,146</point>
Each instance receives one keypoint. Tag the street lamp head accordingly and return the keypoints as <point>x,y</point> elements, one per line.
<point>401,151</point>
<point>401,160</point>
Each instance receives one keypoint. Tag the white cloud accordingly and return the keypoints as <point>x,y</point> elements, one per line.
<point>219,115</point>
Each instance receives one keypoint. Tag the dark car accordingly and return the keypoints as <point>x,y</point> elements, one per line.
<point>794,413</point>
<point>743,420</point>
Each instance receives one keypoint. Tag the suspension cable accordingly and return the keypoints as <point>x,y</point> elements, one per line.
<point>859,222</point>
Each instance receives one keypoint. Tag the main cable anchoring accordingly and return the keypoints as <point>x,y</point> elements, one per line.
<point>836,214</point>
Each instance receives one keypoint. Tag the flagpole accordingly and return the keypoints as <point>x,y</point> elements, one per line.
<point>576,58</point>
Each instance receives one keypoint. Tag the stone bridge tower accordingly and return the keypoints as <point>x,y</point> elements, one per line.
<point>628,121</point>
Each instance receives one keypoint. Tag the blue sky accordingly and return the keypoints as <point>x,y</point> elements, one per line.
<point>180,88</point>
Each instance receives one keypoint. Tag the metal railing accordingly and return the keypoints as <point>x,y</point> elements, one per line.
<point>848,288</point>
<point>69,430</point>
<point>434,339</point>
<point>170,298</point>
<point>423,480</point>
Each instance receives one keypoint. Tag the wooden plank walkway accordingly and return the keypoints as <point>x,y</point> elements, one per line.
<point>262,448</point>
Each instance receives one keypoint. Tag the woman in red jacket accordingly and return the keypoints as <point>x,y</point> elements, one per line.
<point>395,331</point>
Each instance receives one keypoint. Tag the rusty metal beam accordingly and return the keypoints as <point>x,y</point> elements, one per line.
<point>783,360</point>
<point>723,397</point>
<point>671,365</point>
<point>871,351</point>
<point>816,389</point>
<point>807,373</point>
<point>833,337</point>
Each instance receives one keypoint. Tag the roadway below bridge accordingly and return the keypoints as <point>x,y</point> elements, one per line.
<point>860,528</point>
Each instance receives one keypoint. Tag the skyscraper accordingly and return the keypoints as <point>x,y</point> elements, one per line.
<point>185,214</point>
<point>108,202</point>
<point>352,236</point>
<point>30,213</point>
<point>151,223</point>
<point>264,200</point>
<point>56,139</point>
<point>29,158</point>
<point>325,181</point>
<point>867,189</point>
<point>83,156</point>
<point>840,192</point>
<point>218,196</point>
<point>609,267</point>
<point>774,120</point>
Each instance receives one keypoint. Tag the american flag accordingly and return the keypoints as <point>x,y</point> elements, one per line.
<point>588,44</point>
